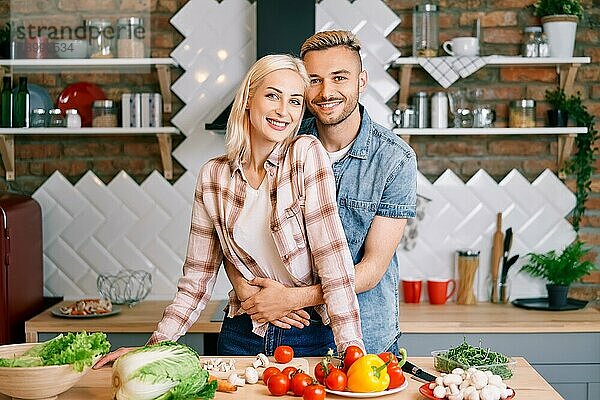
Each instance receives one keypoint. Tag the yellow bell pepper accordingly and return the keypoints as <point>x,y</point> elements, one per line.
<point>368,374</point>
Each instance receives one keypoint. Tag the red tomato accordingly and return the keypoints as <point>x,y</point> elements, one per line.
<point>269,372</point>
<point>321,370</point>
<point>351,354</point>
<point>289,371</point>
<point>389,356</point>
<point>283,354</point>
<point>278,384</point>
<point>300,381</point>
<point>336,380</point>
<point>396,376</point>
<point>314,392</point>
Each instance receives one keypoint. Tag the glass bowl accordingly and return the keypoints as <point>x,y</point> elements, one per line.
<point>127,287</point>
<point>444,364</point>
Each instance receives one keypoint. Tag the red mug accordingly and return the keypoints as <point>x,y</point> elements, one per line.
<point>437,290</point>
<point>412,290</point>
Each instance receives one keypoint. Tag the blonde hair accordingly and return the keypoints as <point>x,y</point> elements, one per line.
<point>328,39</point>
<point>237,139</point>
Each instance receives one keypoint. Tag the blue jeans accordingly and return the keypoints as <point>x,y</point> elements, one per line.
<point>236,338</point>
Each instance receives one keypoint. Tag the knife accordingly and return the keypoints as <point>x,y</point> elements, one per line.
<point>418,373</point>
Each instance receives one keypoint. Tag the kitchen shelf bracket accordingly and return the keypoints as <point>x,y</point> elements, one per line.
<point>165,143</point>
<point>567,77</point>
<point>164,80</point>
<point>405,74</point>
<point>7,150</point>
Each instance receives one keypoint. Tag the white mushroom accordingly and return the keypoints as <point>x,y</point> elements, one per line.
<point>479,379</point>
<point>496,380</point>
<point>458,371</point>
<point>439,381</point>
<point>453,378</point>
<point>474,395</point>
<point>506,393</point>
<point>251,375</point>
<point>490,392</point>
<point>439,392</point>
<point>457,396</point>
<point>235,380</point>
<point>261,361</point>
<point>453,388</point>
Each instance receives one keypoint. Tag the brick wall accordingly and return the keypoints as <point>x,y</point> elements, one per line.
<point>502,25</point>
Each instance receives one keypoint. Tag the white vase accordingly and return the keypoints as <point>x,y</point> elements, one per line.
<point>560,30</point>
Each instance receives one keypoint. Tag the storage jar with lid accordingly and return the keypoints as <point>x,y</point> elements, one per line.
<point>131,35</point>
<point>56,119</point>
<point>421,106</point>
<point>521,113</point>
<point>73,119</point>
<point>101,36</point>
<point>104,114</point>
<point>425,30</point>
<point>531,39</point>
<point>37,119</point>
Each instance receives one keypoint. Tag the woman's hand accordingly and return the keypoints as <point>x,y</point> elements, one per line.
<point>112,356</point>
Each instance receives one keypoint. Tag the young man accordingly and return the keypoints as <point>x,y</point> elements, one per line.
<point>375,173</point>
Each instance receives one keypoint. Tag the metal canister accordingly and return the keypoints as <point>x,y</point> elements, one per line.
<point>421,106</point>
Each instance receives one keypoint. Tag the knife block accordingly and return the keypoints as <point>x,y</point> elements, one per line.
<point>467,264</point>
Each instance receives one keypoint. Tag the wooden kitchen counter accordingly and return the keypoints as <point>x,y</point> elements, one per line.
<point>526,382</point>
<point>414,318</point>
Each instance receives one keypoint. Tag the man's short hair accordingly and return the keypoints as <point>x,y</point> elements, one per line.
<point>328,39</point>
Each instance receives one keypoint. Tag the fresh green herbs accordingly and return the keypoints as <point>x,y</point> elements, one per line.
<point>466,356</point>
<point>78,349</point>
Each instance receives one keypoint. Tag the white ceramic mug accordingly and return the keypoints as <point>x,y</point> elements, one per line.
<point>462,46</point>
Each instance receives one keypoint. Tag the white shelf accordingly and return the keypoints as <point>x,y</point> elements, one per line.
<point>506,60</point>
<point>89,131</point>
<point>489,131</point>
<point>85,63</point>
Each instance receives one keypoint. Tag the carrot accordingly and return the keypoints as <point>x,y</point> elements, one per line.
<point>222,384</point>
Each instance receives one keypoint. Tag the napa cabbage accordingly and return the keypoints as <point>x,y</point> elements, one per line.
<point>163,371</point>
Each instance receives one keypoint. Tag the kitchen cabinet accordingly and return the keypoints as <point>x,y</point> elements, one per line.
<point>123,65</point>
<point>526,382</point>
<point>567,70</point>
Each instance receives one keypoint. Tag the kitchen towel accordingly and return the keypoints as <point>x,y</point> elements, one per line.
<point>447,70</point>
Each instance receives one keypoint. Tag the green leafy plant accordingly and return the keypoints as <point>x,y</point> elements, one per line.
<point>543,8</point>
<point>560,269</point>
<point>556,98</point>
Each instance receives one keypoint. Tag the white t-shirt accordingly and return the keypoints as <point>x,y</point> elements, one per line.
<point>252,233</point>
<point>335,156</point>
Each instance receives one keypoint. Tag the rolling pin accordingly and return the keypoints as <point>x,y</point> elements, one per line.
<point>496,251</point>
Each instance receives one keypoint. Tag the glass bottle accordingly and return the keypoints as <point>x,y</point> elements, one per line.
<point>425,30</point>
<point>38,118</point>
<point>21,105</point>
<point>130,43</point>
<point>531,39</point>
<point>101,34</point>
<point>73,119</point>
<point>56,119</point>
<point>7,103</point>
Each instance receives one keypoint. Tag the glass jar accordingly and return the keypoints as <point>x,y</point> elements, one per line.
<point>104,114</point>
<point>37,118</point>
<point>521,113</point>
<point>425,30</point>
<point>531,39</point>
<point>543,46</point>
<point>101,38</point>
<point>73,119</point>
<point>467,262</point>
<point>130,42</point>
<point>55,118</point>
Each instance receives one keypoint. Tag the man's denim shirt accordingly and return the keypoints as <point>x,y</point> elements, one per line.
<point>378,176</point>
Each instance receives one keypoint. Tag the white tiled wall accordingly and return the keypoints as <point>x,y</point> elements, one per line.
<point>92,228</point>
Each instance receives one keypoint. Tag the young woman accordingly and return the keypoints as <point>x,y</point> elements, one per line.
<point>268,208</point>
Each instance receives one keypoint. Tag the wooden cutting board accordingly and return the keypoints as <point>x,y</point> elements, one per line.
<point>242,362</point>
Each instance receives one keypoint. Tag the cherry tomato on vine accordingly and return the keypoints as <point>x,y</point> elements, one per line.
<point>397,378</point>
<point>389,356</point>
<point>351,354</point>
<point>314,392</point>
<point>300,382</point>
<point>278,384</point>
<point>269,372</point>
<point>283,354</point>
<point>321,370</point>
<point>289,371</point>
<point>336,380</point>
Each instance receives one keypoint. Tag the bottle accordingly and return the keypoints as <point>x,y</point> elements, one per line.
<point>7,103</point>
<point>421,106</point>
<point>530,45</point>
<point>73,119</point>
<point>425,30</point>
<point>543,47</point>
<point>439,110</point>
<point>21,105</point>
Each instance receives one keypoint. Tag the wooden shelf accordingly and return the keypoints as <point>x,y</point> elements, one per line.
<point>566,68</point>
<point>163,134</point>
<point>101,65</point>
<point>565,136</point>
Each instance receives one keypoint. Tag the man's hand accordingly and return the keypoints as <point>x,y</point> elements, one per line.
<point>273,303</point>
<point>112,356</point>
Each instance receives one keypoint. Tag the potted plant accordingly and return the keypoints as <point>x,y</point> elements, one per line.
<point>558,115</point>
<point>559,18</point>
<point>560,270</point>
